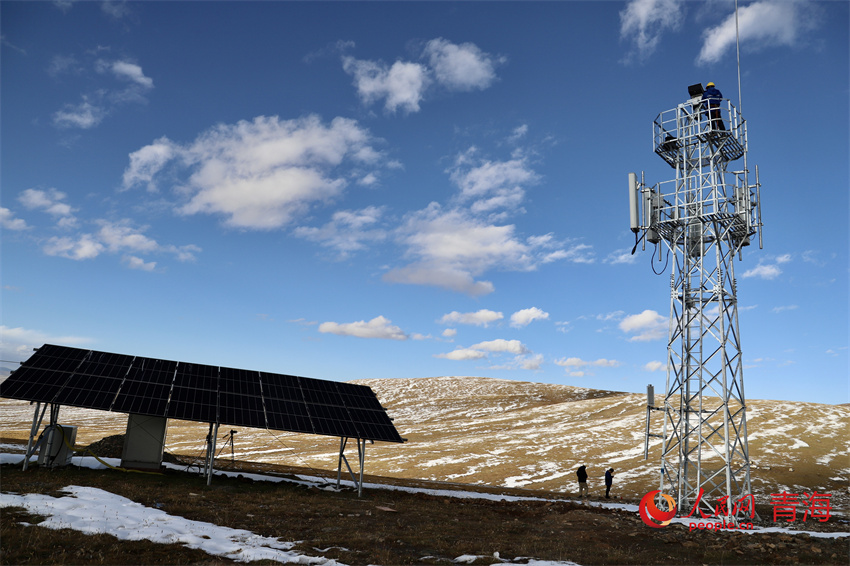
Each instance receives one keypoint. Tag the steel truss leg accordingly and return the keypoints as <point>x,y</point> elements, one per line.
<point>361,456</point>
<point>212,436</point>
<point>36,424</point>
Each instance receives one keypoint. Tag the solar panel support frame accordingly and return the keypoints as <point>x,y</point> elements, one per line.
<point>209,460</point>
<point>36,424</point>
<point>361,457</point>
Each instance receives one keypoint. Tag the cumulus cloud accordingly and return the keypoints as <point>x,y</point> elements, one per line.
<point>261,174</point>
<point>491,185</point>
<point>378,327</point>
<point>767,23</point>
<point>84,115</point>
<point>525,317</point>
<point>147,162</point>
<point>643,22</point>
<point>9,222</point>
<point>623,256</point>
<point>532,362</point>
<point>482,317</point>
<point>134,262</point>
<point>646,326</point>
<point>451,248</point>
<point>461,67</point>
<point>348,231</point>
<point>116,237</point>
<point>84,246</point>
<point>50,201</point>
<point>449,333</point>
<point>501,345</point>
<point>403,85</point>
<point>575,366</point>
<point>462,354</point>
<point>102,101</point>
<point>768,268</point>
<point>523,357</point>
<point>127,71</point>
<point>655,366</point>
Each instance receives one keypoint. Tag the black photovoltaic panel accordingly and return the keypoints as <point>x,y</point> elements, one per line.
<point>196,392</point>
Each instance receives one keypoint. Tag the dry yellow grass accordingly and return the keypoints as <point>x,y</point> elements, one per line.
<point>519,434</point>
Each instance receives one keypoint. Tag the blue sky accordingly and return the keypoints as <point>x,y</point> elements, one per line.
<point>377,190</point>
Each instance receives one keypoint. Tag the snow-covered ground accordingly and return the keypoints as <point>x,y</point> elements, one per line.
<point>91,511</point>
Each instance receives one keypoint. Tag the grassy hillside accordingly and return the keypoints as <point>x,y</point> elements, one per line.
<point>518,434</point>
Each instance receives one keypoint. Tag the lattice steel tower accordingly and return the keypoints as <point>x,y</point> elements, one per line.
<point>704,217</point>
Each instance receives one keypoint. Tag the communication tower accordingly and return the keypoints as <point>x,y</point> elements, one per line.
<point>704,217</point>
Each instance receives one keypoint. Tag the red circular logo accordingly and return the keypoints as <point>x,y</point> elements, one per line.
<point>649,511</point>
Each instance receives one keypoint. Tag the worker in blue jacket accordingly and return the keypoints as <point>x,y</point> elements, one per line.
<point>712,96</point>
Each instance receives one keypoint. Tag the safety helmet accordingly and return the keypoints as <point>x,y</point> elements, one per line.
<point>710,84</point>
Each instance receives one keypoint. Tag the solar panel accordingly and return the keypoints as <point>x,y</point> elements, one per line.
<point>196,392</point>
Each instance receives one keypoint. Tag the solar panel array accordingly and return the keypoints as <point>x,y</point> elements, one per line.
<point>195,392</point>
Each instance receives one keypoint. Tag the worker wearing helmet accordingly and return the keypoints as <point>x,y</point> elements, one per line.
<point>713,96</point>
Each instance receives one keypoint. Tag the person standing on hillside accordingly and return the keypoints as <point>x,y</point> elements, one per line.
<point>581,473</point>
<point>609,481</point>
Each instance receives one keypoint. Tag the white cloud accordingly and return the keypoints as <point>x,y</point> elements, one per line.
<point>644,21</point>
<point>378,327</point>
<point>785,308</point>
<point>100,102</point>
<point>132,72</point>
<point>348,231</point>
<point>767,23</point>
<point>115,237</point>
<point>648,325</point>
<point>147,162</point>
<point>117,10</point>
<point>532,363</point>
<point>518,133</point>
<point>64,64</point>
<point>401,85</point>
<point>501,345</point>
<point>525,317</point>
<point>9,222</point>
<point>49,201</point>
<point>461,67</point>
<point>84,115</point>
<point>482,317</point>
<point>574,365</point>
<point>134,262</point>
<point>498,346</point>
<point>655,366</point>
<point>119,236</point>
<point>620,256</point>
<point>449,333</point>
<point>451,248</point>
<point>16,344</point>
<point>260,174</point>
<point>764,271</point>
<point>491,185</point>
<point>84,246</point>
<point>462,354</point>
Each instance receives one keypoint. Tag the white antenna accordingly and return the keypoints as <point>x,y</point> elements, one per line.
<point>738,49</point>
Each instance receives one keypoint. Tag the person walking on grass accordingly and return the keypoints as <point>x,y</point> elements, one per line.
<point>581,474</point>
<point>609,481</point>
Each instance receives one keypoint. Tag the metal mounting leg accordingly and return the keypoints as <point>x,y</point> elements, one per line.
<point>361,457</point>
